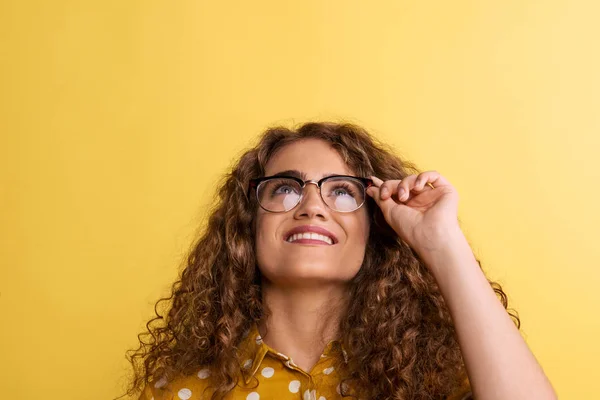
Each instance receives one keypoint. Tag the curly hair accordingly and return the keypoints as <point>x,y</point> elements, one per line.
<point>400,338</point>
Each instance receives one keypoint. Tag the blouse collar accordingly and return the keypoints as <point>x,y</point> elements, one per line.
<point>253,350</point>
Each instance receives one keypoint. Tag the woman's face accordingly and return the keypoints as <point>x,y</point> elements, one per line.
<point>302,264</point>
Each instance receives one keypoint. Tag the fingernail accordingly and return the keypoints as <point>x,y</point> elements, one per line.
<point>384,191</point>
<point>401,193</point>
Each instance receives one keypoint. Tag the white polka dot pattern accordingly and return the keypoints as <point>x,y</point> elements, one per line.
<point>160,383</point>
<point>310,395</point>
<point>204,373</point>
<point>253,396</point>
<point>184,394</point>
<point>294,386</point>
<point>338,388</point>
<point>267,372</point>
<point>276,373</point>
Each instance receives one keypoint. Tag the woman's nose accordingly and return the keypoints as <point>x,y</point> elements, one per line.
<point>311,190</point>
<point>311,202</point>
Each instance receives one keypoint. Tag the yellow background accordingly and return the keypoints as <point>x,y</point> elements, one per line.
<point>118,117</point>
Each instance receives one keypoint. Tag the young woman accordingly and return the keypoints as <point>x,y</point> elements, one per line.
<point>331,268</point>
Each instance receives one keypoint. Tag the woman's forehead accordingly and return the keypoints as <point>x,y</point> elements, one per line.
<point>311,158</point>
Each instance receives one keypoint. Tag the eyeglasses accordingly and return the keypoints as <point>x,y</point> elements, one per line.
<point>342,193</point>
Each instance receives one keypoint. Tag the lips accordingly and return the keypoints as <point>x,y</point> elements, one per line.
<point>311,228</point>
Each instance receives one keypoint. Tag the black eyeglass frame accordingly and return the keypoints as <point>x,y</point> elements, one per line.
<point>254,184</point>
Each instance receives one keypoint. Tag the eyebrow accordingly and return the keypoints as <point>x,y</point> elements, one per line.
<point>298,174</point>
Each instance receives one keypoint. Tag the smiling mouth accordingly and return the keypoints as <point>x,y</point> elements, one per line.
<point>310,238</point>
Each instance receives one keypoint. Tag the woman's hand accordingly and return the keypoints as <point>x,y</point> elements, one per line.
<point>422,209</point>
<point>494,350</point>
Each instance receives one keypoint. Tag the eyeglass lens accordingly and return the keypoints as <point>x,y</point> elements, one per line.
<point>339,193</point>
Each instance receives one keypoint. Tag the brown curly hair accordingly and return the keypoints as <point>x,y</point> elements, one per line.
<point>399,336</point>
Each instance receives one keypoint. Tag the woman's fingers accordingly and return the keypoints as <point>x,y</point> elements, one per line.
<point>386,189</point>
<point>406,185</point>
<point>420,183</point>
<point>432,178</point>
<point>401,188</point>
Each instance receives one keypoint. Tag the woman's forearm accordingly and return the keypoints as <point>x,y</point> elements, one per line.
<point>499,363</point>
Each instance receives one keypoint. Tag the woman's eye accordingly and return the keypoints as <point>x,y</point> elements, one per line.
<point>343,191</point>
<point>284,189</point>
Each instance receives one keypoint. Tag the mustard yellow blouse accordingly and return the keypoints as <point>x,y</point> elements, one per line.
<point>278,377</point>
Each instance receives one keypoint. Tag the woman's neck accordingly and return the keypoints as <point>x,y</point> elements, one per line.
<point>302,321</point>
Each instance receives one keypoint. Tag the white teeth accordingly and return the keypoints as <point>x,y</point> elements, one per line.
<point>310,235</point>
